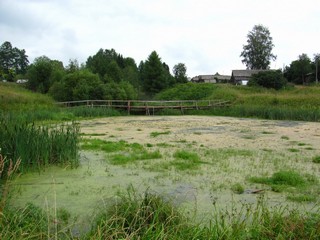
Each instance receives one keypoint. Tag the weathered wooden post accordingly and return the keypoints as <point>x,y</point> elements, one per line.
<point>129,107</point>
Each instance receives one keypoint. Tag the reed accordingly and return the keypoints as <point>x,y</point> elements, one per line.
<point>38,146</point>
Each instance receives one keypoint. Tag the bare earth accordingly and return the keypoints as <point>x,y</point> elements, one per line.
<point>212,132</point>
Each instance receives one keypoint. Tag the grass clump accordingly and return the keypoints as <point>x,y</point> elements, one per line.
<point>156,134</point>
<point>185,160</point>
<point>95,144</point>
<point>302,198</point>
<point>316,159</point>
<point>287,178</point>
<point>237,188</point>
<point>139,217</point>
<point>282,180</point>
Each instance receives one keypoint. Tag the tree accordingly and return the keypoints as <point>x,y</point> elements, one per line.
<point>268,79</point>
<point>298,69</point>
<point>257,54</point>
<point>155,75</point>
<point>12,61</point>
<point>78,85</point>
<point>180,73</point>
<point>39,74</point>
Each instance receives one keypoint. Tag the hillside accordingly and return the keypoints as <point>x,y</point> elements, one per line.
<point>14,97</point>
<point>294,103</point>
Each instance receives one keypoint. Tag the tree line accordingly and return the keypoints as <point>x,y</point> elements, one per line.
<point>105,75</point>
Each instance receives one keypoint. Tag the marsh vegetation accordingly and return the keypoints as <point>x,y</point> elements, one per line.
<point>161,177</point>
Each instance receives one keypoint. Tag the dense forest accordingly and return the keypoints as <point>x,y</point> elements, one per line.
<point>109,75</point>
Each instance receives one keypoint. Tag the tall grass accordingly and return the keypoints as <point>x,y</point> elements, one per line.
<point>38,146</point>
<point>149,216</point>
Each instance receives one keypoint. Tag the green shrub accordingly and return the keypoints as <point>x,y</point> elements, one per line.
<point>268,79</point>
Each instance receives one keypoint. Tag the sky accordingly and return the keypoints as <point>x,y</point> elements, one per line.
<point>206,35</point>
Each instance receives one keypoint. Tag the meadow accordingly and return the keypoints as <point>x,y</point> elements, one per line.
<point>66,174</point>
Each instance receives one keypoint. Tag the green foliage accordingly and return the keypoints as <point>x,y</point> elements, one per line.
<point>316,159</point>
<point>258,51</point>
<point>237,188</point>
<point>79,85</point>
<point>188,91</point>
<point>14,97</point>
<point>282,178</point>
<point>302,198</point>
<point>139,217</point>
<point>268,79</point>
<point>156,76</point>
<point>38,146</point>
<point>102,145</point>
<point>180,73</point>
<point>156,134</point>
<point>185,160</point>
<point>151,217</point>
<point>128,152</point>
<point>12,61</point>
<point>298,70</point>
<point>43,72</point>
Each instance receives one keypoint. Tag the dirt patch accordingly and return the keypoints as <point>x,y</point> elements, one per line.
<point>213,132</point>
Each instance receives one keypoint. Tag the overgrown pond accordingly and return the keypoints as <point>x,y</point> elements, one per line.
<point>201,164</point>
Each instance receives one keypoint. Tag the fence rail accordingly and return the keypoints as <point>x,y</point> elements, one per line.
<point>149,107</point>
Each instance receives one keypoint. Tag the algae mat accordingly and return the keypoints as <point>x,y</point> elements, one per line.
<point>229,151</point>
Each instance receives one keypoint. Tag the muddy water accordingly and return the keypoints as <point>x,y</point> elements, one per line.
<point>96,182</point>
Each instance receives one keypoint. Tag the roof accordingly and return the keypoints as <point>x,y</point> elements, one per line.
<point>245,73</point>
<point>209,77</point>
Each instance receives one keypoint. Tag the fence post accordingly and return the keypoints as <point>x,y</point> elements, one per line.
<point>129,107</point>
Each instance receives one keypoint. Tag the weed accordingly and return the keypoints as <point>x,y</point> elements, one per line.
<point>156,134</point>
<point>266,132</point>
<point>285,137</point>
<point>316,159</point>
<point>185,160</point>
<point>237,188</point>
<point>302,198</point>
<point>280,181</point>
<point>293,150</point>
<point>302,144</point>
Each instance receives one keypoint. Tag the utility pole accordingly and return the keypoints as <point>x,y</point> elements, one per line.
<point>317,59</point>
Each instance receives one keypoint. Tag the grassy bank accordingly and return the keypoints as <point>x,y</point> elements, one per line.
<point>295,103</point>
<point>25,105</point>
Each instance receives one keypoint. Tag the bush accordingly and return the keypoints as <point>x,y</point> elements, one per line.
<point>268,79</point>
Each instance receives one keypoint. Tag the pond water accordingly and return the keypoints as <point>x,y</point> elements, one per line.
<point>199,192</point>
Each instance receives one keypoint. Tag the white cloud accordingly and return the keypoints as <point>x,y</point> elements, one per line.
<point>205,35</point>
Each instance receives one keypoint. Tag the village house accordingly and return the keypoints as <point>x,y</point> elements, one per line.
<point>216,78</point>
<point>242,77</point>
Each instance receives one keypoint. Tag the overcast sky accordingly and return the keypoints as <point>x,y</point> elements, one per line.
<point>206,35</point>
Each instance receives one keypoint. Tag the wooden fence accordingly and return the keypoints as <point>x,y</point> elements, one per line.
<point>149,107</point>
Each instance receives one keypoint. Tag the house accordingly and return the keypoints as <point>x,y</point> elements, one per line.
<point>242,77</point>
<point>22,80</point>
<point>216,78</point>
